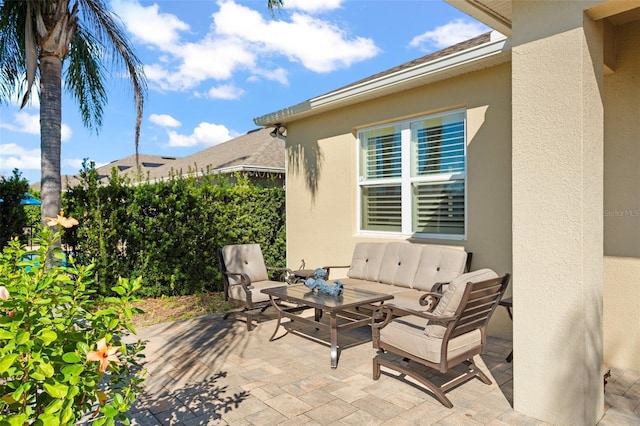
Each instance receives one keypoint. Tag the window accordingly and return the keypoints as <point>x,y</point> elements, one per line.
<point>412,177</point>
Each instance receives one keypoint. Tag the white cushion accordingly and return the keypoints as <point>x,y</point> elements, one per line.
<point>407,334</point>
<point>244,259</point>
<point>400,263</point>
<point>451,298</point>
<point>366,261</point>
<point>438,264</point>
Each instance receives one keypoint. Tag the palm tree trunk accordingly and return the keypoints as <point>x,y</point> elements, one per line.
<point>50,134</point>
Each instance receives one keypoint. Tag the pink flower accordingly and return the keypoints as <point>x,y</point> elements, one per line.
<point>105,354</point>
<point>4,293</point>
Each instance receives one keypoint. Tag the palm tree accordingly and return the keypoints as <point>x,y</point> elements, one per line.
<point>36,38</point>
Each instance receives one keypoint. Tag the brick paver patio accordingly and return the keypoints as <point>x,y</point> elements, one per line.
<point>207,371</point>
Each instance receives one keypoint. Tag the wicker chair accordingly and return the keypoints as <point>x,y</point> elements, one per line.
<point>244,274</point>
<point>451,334</point>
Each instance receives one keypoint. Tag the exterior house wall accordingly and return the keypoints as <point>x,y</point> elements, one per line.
<point>622,203</point>
<point>322,197</point>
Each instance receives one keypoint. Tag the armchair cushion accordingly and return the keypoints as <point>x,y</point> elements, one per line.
<point>451,298</point>
<point>236,292</point>
<point>407,334</point>
<point>245,259</point>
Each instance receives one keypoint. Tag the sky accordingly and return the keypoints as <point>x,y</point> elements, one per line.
<point>213,66</point>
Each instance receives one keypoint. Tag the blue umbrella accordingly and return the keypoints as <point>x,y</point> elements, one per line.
<point>29,200</point>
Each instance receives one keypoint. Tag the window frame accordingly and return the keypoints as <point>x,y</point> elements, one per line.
<point>406,180</point>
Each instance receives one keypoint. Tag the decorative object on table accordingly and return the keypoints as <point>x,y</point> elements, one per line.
<point>319,283</point>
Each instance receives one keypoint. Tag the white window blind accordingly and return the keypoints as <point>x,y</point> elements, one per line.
<point>412,176</point>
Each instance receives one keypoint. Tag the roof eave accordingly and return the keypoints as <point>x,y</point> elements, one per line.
<point>455,64</point>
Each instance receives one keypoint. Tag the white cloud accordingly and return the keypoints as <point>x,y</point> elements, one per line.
<point>206,134</point>
<point>23,122</point>
<point>448,34</point>
<point>313,6</point>
<point>164,120</point>
<point>240,39</point>
<point>224,91</point>
<point>13,156</point>
<point>73,163</point>
<point>319,45</point>
<point>148,25</point>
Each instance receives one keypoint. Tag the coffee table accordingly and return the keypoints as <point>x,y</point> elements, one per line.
<point>344,306</point>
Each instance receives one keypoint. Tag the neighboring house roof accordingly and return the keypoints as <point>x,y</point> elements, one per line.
<point>255,152</point>
<point>478,53</point>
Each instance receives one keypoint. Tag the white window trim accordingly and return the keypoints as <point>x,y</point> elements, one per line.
<point>406,180</point>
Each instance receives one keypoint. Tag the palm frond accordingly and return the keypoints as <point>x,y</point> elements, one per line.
<point>85,77</point>
<point>102,24</point>
<point>12,55</point>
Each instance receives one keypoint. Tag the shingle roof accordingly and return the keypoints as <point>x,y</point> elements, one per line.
<point>459,47</point>
<point>254,150</point>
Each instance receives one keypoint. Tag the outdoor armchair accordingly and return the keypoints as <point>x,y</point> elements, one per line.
<point>244,275</point>
<point>452,334</point>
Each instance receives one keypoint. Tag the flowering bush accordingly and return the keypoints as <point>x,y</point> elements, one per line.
<point>62,355</point>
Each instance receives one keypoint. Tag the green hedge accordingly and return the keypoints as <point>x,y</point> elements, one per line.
<point>13,215</point>
<point>169,232</point>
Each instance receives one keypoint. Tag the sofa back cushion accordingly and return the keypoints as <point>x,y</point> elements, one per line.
<point>452,297</point>
<point>400,263</point>
<point>244,259</point>
<point>438,264</point>
<point>366,261</point>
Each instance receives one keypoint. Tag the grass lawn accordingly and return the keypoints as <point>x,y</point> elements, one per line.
<point>171,308</point>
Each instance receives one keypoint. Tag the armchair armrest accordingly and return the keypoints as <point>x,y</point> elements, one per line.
<point>245,281</point>
<point>285,272</point>
<point>328,268</point>
<point>438,287</point>
<point>430,298</point>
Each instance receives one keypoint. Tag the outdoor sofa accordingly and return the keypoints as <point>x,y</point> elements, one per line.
<point>407,271</point>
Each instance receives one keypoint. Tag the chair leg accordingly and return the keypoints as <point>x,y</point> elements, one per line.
<point>376,368</point>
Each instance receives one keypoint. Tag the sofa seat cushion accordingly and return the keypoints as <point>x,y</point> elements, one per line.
<point>407,334</point>
<point>236,292</point>
<point>400,263</point>
<point>438,264</point>
<point>452,297</point>
<point>408,299</point>
<point>366,261</point>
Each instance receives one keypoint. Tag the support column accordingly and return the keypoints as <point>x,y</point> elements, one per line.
<point>557,85</point>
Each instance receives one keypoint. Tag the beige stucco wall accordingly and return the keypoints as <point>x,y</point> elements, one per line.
<point>322,174</point>
<point>622,203</point>
<point>557,149</point>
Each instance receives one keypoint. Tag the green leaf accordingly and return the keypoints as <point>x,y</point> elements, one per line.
<point>119,290</point>
<point>49,419</point>
<point>6,335</point>
<point>71,358</point>
<point>48,336</point>
<point>57,390</point>
<point>66,415</point>
<point>72,369</point>
<point>55,405</point>
<point>46,369</point>
<point>18,419</point>
<point>7,361</point>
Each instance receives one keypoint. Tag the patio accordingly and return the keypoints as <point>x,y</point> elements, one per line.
<point>209,371</point>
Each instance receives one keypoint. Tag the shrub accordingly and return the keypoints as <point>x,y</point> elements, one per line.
<point>51,333</point>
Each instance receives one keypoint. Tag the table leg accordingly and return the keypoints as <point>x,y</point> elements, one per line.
<point>278,309</point>
<point>333,327</point>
